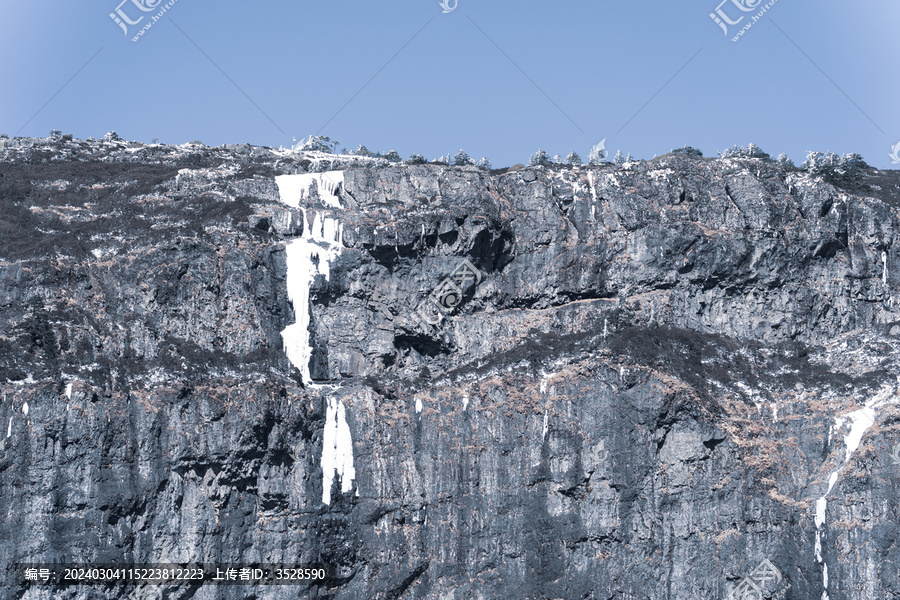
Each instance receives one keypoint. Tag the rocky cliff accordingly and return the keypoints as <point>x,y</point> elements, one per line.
<point>668,379</point>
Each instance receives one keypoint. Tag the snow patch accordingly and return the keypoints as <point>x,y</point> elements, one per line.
<point>294,188</point>
<point>69,390</point>
<point>593,189</point>
<point>884,267</point>
<point>752,394</point>
<point>418,405</point>
<point>859,422</point>
<point>546,426</point>
<point>25,409</point>
<point>307,257</point>
<point>337,450</point>
<point>465,402</point>
<point>9,429</point>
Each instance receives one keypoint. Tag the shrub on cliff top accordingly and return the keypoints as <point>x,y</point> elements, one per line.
<point>751,151</point>
<point>840,170</point>
<point>362,151</point>
<point>689,151</point>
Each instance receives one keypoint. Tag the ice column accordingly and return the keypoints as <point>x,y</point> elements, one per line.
<point>307,257</point>
<point>337,450</point>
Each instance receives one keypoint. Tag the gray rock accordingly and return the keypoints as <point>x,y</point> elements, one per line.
<point>638,399</point>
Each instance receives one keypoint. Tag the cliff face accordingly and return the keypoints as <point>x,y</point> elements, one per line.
<point>663,374</point>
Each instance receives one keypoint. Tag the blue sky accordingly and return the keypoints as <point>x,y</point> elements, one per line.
<point>499,79</point>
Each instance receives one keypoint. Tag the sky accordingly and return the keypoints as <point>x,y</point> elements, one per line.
<point>498,79</point>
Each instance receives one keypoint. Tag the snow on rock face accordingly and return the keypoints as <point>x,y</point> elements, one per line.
<point>25,409</point>
<point>69,390</point>
<point>295,188</point>
<point>306,258</point>
<point>337,450</point>
<point>859,421</point>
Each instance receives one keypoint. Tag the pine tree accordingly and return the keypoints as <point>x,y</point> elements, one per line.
<point>485,163</point>
<point>573,159</point>
<point>539,159</point>
<point>461,159</point>
<point>619,158</point>
<point>393,156</point>
<point>756,152</point>
<point>785,161</point>
<point>362,151</point>
<point>317,143</point>
<point>415,159</point>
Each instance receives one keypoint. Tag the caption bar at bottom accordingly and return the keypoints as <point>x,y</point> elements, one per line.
<point>171,573</point>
